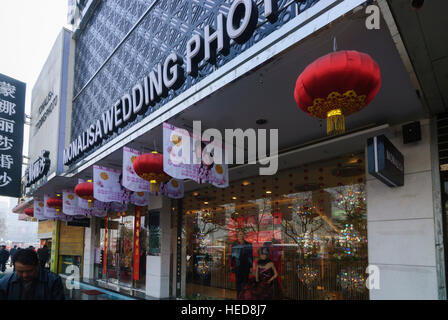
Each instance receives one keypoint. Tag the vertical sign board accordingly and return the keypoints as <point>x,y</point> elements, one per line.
<point>105,245</point>
<point>12,114</point>
<point>54,260</point>
<point>386,163</point>
<point>137,222</point>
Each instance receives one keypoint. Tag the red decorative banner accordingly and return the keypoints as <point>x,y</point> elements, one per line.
<point>137,221</point>
<point>105,246</point>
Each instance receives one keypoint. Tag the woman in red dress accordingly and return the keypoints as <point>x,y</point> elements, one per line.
<point>265,286</point>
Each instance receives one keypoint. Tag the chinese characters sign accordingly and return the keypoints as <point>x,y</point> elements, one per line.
<point>12,106</point>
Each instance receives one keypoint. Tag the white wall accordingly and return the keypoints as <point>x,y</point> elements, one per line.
<point>89,250</point>
<point>158,267</point>
<point>49,80</point>
<point>401,225</point>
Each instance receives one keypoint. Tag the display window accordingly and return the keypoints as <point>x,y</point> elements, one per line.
<point>301,234</point>
<point>124,242</point>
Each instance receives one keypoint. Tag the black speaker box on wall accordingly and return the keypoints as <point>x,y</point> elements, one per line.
<point>411,132</point>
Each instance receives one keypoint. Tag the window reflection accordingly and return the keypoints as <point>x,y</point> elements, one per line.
<point>309,221</point>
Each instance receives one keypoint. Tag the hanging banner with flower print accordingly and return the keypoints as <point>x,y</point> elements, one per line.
<point>173,189</point>
<point>219,176</point>
<point>178,151</point>
<point>184,157</point>
<point>131,180</point>
<point>39,209</point>
<point>140,198</point>
<point>49,213</point>
<point>70,203</point>
<point>106,184</point>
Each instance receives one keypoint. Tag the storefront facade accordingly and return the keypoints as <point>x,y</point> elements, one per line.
<point>331,229</point>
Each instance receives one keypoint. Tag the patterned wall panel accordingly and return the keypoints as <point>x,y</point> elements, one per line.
<point>165,29</point>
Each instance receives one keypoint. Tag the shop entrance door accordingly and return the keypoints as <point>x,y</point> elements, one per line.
<point>113,268</point>
<point>125,248</point>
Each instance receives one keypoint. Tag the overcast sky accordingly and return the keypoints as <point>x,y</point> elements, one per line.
<point>28,29</point>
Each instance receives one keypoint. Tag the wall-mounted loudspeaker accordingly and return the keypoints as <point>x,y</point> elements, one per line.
<point>411,132</point>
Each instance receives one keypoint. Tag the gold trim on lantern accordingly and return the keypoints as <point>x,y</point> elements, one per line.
<point>348,102</point>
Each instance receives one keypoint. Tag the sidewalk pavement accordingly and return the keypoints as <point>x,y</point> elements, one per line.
<point>84,292</point>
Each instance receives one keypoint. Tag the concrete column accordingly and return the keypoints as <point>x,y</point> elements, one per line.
<point>401,237</point>
<point>158,267</point>
<point>90,237</point>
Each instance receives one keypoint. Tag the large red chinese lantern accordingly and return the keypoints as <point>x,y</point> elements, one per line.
<point>84,190</point>
<point>149,166</point>
<point>337,85</point>
<point>29,212</point>
<point>55,203</point>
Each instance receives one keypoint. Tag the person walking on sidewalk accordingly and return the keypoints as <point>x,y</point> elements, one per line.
<point>44,256</point>
<point>29,281</point>
<point>4,256</point>
<point>12,253</point>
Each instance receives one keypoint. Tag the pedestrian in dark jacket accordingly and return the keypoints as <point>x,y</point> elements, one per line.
<point>44,256</point>
<point>12,252</point>
<point>4,256</point>
<point>29,282</point>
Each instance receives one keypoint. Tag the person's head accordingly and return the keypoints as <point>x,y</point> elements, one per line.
<point>15,246</point>
<point>26,264</point>
<point>241,236</point>
<point>263,253</point>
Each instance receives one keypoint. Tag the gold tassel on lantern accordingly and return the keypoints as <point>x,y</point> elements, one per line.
<point>154,186</point>
<point>335,122</point>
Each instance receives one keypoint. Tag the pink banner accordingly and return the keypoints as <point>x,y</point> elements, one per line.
<point>177,141</point>
<point>140,199</point>
<point>131,180</point>
<point>183,158</point>
<point>70,203</point>
<point>106,184</point>
<point>173,189</point>
<point>39,209</point>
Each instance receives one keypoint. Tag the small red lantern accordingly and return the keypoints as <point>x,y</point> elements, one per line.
<point>149,166</point>
<point>29,212</point>
<point>84,190</point>
<point>55,203</point>
<point>337,85</point>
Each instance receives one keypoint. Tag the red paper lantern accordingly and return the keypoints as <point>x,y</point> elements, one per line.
<point>337,85</point>
<point>149,166</point>
<point>29,212</point>
<point>84,190</point>
<point>55,203</point>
